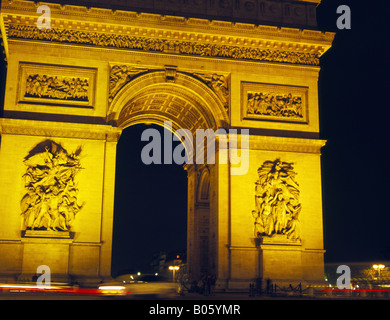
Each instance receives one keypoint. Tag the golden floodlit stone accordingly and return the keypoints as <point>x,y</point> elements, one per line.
<point>73,87</point>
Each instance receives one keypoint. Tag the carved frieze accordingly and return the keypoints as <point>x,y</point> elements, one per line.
<point>274,102</point>
<point>50,201</point>
<point>293,55</point>
<point>277,201</point>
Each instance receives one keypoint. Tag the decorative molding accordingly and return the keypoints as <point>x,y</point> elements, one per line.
<point>47,234</point>
<point>264,51</point>
<point>297,13</point>
<point>271,102</point>
<point>170,73</point>
<point>59,129</point>
<point>284,144</point>
<point>122,22</point>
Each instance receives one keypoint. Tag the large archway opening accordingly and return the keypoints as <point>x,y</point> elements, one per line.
<point>150,215</point>
<point>185,105</point>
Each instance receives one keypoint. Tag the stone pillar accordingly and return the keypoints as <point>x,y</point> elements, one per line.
<point>108,206</point>
<point>82,252</point>
<point>199,253</point>
<point>283,258</point>
<point>220,222</point>
<point>192,243</point>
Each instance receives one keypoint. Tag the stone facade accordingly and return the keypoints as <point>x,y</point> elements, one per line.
<point>97,71</point>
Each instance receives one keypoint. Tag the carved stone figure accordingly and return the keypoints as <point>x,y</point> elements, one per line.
<point>121,75</point>
<point>50,202</point>
<point>219,84</point>
<point>277,201</point>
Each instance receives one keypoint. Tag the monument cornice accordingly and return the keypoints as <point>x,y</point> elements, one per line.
<point>59,129</point>
<point>166,34</point>
<point>272,143</point>
<point>107,18</point>
<point>292,13</point>
<point>287,144</point>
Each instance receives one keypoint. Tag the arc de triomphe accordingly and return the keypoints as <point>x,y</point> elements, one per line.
<point>72,88</point>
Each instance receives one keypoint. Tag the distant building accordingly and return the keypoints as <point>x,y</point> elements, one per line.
<point>364,275</point>
<point>162,260</point>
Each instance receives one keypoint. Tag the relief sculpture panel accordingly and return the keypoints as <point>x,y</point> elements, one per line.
<point>53,87</point>
<point>277,105</point>
<point>56,85</point>
<point>277,201</point>
<point>274,103</point>
<point>50,201</point>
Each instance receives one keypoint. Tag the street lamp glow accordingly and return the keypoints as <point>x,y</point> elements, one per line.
<point>173,269</point>
<point>378,266</point>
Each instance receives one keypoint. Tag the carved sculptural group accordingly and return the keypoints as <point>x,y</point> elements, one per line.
<point>50,202</point>
<point>277,105</point>
<point>277,201</point>
<point>53,87</point>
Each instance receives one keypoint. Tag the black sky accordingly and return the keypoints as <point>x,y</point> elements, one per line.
<point>354,114</point>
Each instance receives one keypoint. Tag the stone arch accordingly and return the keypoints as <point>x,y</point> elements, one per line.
<point>154,98</point>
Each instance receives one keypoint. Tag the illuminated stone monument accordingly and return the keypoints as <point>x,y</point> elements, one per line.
<point>73,87</point>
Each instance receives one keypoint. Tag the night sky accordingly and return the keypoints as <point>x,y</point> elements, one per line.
<point>354,83</point>
<point>354,115</point>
